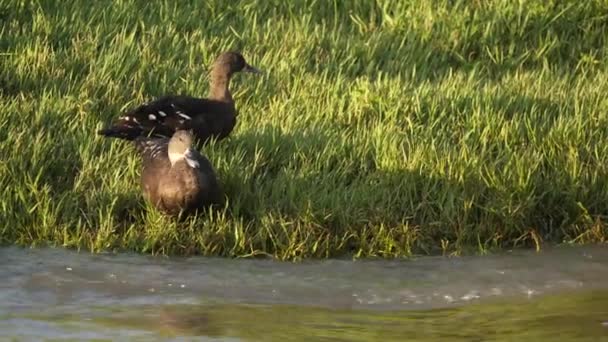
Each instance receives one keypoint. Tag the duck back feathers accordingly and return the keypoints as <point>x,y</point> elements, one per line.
<point>162,117</point>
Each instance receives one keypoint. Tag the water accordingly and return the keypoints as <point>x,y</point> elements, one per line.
<point>560,294</point>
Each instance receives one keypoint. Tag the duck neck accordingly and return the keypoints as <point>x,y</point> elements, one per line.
<point>218,83</point>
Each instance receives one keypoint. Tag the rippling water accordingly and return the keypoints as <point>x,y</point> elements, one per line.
<point>560,294</point>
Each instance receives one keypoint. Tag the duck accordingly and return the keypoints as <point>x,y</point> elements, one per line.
<point>208,118</point>
<point>176,179</point>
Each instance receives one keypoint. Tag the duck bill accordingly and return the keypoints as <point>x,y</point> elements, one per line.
<point>249,68</point>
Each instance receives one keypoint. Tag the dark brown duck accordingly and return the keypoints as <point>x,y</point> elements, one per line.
<point>212,117</point>
<point>175,177</point>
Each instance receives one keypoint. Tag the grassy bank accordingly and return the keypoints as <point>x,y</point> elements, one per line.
<point>380,128</point>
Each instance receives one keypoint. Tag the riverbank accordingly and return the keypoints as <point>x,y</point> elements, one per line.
<point>377,130</point>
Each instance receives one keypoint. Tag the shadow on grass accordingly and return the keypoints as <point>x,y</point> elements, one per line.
<point>346,202</point>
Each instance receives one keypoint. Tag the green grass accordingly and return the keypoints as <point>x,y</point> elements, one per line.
<point>381,128</point>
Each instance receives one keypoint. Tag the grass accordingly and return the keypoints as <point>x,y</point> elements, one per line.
<point>381,128</point>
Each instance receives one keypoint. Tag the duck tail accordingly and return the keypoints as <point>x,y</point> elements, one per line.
<point>126,127</point>
<point>121,132</point>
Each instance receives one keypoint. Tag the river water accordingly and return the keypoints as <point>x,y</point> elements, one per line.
<point>560,294</point>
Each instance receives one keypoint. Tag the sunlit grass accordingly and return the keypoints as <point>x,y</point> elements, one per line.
<point>379,129</point>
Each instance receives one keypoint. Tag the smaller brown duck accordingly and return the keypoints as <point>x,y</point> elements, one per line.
<point>212,117</point>
<point>175,177</point>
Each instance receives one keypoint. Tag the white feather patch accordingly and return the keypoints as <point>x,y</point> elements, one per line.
<point>183,115</point>
<point>161,113</point>
<point>151,117</point>
<point>153,149</point>
<point>191,160</point>
<point>193,163</point>
<point>155,152</point>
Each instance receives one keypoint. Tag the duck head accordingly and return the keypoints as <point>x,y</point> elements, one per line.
<point>231,62</point>
<point>180,148</point>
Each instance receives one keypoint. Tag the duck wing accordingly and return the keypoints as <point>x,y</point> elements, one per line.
<point>155,164</point>
<point>162,117</point>
<point>208,179</point>
<point>152,150</point>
